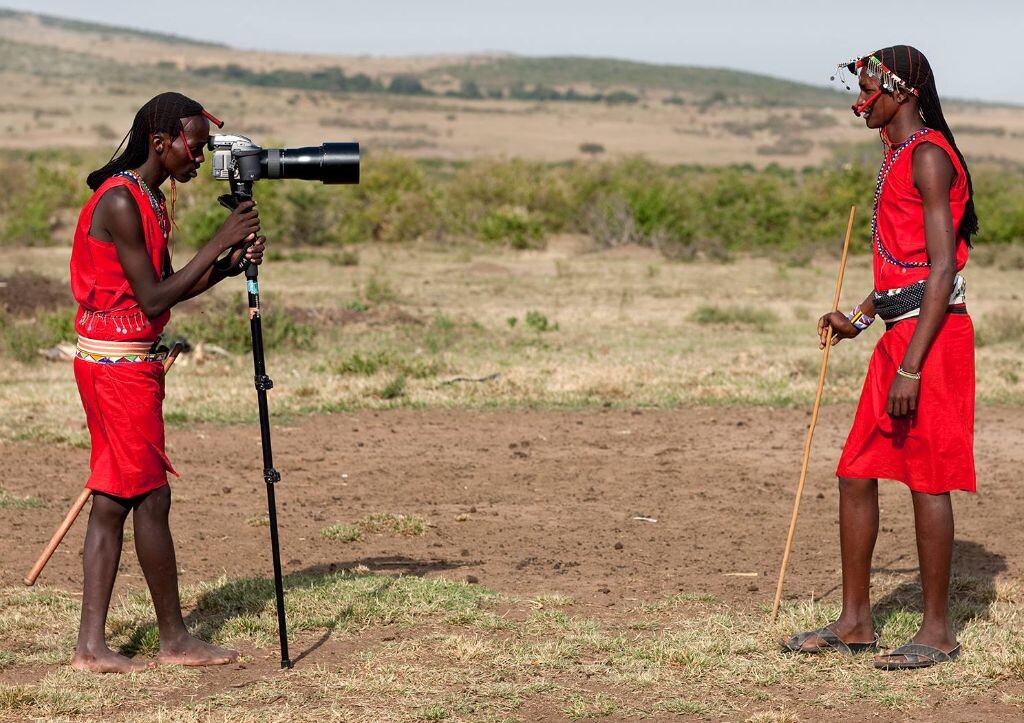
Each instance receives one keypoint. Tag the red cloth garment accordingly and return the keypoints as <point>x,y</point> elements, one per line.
<point>108,310</point>
<point>124,409</point>
<point>931,451</point>
<point>123,401</point>
<point>900,216</point>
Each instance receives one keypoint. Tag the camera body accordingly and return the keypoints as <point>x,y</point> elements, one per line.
<point>240,161</point>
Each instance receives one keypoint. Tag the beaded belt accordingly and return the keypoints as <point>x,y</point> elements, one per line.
<point>117,352</point>
<point>904,303</point>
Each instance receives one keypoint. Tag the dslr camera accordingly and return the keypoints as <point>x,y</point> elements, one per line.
<point>238,160</point>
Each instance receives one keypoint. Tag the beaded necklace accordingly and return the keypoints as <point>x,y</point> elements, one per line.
<point>159,206</point>
<point>883,173</point>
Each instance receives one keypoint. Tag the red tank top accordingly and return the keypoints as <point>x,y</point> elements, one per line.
<point>900,251</point>
<point>107,307</point>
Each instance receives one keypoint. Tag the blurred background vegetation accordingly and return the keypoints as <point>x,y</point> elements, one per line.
<point>683,211</point>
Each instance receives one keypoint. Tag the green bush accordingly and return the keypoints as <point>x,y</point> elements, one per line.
<point>520,203</point>
<point>362,364</point>
<point>22,340</point>
<point>229,327</point>
<point>539,322</point>
<point>513,225</point>
<point>393,389</point>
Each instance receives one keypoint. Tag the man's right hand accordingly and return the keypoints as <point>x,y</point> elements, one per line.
<point>242,225</point>
<point>840,325</point>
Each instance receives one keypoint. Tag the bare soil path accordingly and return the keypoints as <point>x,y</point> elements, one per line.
<point>527,503</point>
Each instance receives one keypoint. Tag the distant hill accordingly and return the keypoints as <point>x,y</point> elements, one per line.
<point>502,72</point>
<point>605,73</point>
<point>70,83</point>
<point>103,29</point>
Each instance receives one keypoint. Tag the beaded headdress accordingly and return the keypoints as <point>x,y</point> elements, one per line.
<point>875,68</point>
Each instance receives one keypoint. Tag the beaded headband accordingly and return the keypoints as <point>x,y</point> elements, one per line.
<point>876,69</point>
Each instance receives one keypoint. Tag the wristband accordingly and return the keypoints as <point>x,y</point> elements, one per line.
<point>859,319</point>
<point>916,376</point>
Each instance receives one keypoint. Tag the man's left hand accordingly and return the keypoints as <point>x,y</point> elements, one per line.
<point>903,396</point>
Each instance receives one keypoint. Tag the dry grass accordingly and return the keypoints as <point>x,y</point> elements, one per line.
<point>442,337</point>
<point>458,658</point>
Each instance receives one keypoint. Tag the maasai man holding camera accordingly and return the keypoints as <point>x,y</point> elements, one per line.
<point>915,421</point>
<point>122,278</point>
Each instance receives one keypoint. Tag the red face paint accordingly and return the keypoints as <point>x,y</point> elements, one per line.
<point>859,108</point>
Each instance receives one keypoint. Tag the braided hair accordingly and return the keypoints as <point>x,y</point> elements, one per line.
<point>909,70</point>
<point>163,113</point>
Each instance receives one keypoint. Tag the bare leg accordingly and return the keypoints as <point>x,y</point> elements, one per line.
<point>858,530</point>
<point>155,548</point>
<point>933,522</point>
<point>99,565</point>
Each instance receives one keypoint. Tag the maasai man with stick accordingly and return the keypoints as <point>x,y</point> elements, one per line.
<point>122,278</point>
<point>915,420</point>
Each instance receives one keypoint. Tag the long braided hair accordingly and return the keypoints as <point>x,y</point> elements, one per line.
<point>909,70</point>
<point>163,113</point>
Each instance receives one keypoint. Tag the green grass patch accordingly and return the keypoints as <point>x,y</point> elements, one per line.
<point>740,316</point>
<point>14,502</point>
<point>387,522</point>
<point>342,532</point>
<point>262,520</point>
<point>372,362</point>
<point>377,523</point>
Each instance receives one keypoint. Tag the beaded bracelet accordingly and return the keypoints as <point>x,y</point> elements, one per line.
<point>916,376</point>
<point>859,319</point>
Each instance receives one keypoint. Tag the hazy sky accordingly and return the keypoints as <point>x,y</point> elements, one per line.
<point>971,45</point>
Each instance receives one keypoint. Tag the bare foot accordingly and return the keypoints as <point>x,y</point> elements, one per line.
<point>192,651</point>
<point>107,661</point>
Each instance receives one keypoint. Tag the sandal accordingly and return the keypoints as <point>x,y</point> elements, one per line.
<point>829,642</point>
<point>914,655</point>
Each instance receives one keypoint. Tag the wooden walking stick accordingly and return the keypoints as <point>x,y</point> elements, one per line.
<point>814,421</point>
<point>76,508</point>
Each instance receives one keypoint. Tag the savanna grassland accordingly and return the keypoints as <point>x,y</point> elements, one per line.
<point>541,385</point>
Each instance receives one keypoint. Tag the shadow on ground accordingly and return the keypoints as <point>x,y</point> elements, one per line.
<point>972,589</point>
<point>248,597</point>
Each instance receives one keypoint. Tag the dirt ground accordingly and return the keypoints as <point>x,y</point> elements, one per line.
<point>529,502</point>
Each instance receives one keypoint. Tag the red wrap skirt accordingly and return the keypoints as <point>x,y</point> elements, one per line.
<point>124,409</point>
<point>931,451</point>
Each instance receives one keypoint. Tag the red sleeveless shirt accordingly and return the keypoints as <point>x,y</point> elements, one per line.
<point>108,309</point>
<point>899,249</point>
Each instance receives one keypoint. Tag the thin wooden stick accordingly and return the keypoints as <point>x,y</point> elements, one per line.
<point>76,508</point>
<point>814,421</point>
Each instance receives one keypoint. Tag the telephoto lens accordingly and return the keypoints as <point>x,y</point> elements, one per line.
<point>332,163</point>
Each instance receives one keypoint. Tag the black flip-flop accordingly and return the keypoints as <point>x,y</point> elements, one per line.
<point>829,642</point>
<point>914,655</point>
